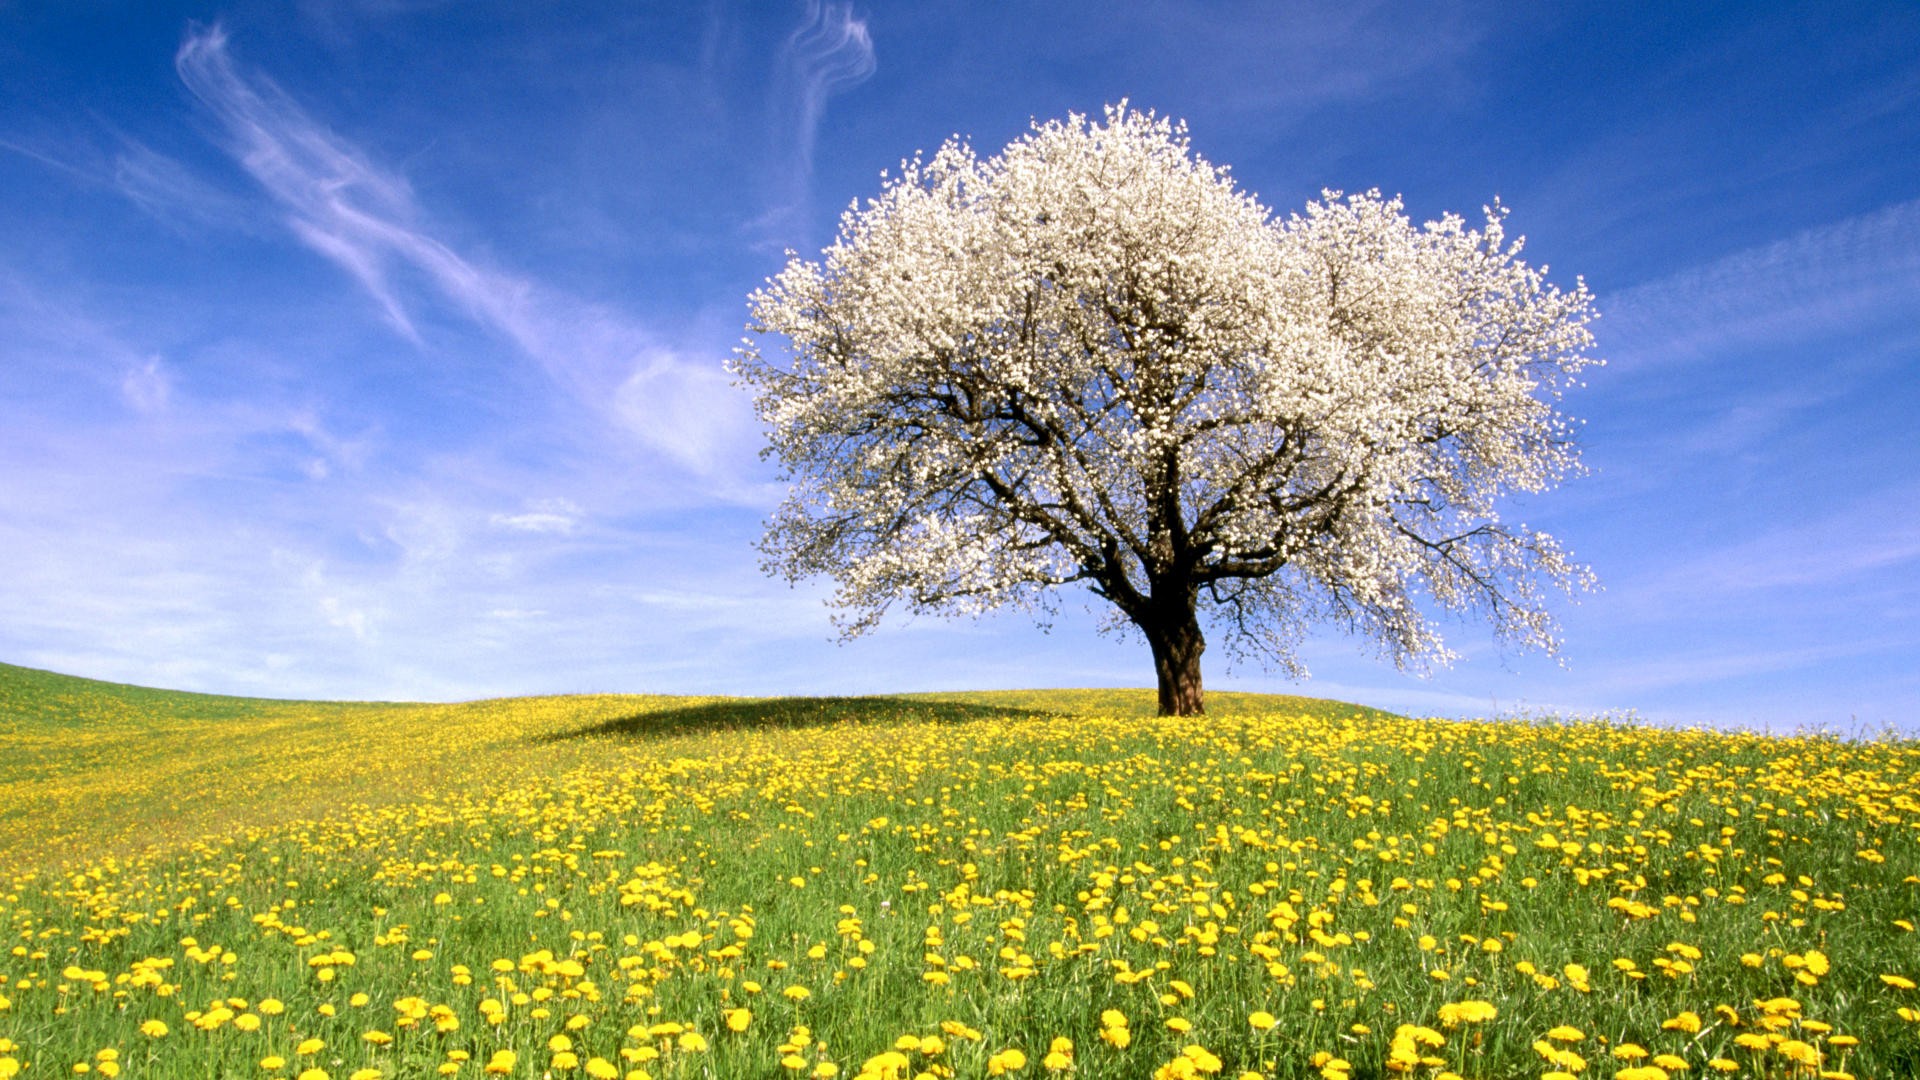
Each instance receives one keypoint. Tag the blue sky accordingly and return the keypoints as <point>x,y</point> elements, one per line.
<point>373,349</point>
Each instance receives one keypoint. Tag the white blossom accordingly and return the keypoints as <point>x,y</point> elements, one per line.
<point>1092,358</point>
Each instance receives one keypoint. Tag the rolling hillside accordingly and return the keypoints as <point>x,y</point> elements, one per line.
<point>963,885</point>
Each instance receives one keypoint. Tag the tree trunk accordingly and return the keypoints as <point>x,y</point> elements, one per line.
<point>1177,644</point>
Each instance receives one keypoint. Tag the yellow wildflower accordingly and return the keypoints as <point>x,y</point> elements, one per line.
<point>1688,1022</point>
<point>1006,1061</point>
<point>1455,1013</point>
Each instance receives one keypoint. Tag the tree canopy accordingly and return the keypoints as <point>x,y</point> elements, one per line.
<point>1092,358</point>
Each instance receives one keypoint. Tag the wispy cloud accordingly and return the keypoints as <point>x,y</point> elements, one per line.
<point>1756,417</point>
<point>43,156</point>
<point>1277,63</point>
<point>166,189</point>
<point>336,200</point>
<point>558,516</point>
<point>1864,270</point>
<point>365,219</point>
<point>174,194</point>
<point>1836,580</point>
<point>830,51</point>
<point>147,386</point>
<point>1842,547</point>
<point>1710,665</point>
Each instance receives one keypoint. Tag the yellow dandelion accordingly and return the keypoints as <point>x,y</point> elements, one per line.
<point>1455,1013</point>
<point>1688,1022</point>
<point>1203,1060</point>
<point>1800,1053</point>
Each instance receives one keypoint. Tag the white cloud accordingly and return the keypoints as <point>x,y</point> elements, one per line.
<point>1700,667</point>
<point>552,517</point>
<point>161,186</point>
<point>1864,270</point>
<point>693,414</point>
<point>829,52</point>
<point>428,533</point>
<point>332,449</point>
<point>538,521</point>
<point>351,619</point>
<point>172,193</point>
<point>50,160</point>
<point>147,386</point>
<point>365,220</point>
<point>1855,544</point>
<point>1758,417</point>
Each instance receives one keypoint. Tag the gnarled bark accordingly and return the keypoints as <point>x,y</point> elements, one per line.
<point>1177,643</point>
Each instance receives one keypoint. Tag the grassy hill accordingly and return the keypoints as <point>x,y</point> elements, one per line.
<point>97,768</point>
<point>975,884</point>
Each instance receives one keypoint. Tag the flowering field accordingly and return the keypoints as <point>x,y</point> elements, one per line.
<point>1047,884</point>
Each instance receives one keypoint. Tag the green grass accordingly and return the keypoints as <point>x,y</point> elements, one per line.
<point>997,870</point>
<point>98,768</point>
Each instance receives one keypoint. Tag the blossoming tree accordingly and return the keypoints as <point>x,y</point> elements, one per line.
<point>1091,358</point>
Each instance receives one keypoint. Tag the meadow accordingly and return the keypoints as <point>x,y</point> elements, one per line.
<point>993,884</point>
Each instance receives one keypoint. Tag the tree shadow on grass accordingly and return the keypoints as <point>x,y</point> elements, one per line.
<point>788,713</point>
